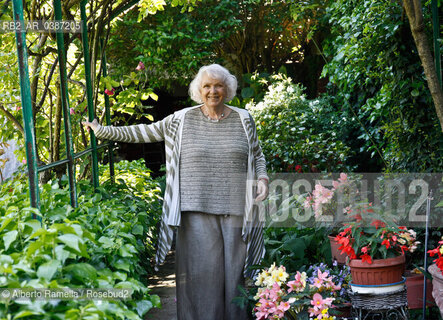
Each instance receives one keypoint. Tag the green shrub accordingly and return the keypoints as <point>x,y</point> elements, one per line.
<point>377,79</point>
<point>297,134</point>
<point>296,247</point>
<point>106,242</point>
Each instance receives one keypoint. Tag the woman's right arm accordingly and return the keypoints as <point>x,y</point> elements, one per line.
<point>140,133</point>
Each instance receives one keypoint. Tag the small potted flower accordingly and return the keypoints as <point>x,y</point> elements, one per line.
<point>436,270</point>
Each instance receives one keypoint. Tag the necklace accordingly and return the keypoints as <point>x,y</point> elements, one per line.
<point>213,120</point>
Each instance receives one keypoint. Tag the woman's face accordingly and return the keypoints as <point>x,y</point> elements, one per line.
<point>213,91</point>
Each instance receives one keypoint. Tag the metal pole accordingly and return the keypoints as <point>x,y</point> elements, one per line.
<point>65,105</point>
<point>25,92</point>
<point>436,27</point>
<point>108,117</point>
<point>425,266</point>
<point>91,111</point>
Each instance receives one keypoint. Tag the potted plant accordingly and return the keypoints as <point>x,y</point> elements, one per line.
<point>436,270</point>
<point>415,285</point>
<point>334,202</point>
<point>375,246</point>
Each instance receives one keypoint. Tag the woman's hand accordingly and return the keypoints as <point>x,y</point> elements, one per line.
<point>262,190</point>
<point>91,125</point>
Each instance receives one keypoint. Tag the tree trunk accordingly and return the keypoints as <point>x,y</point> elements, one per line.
<point>415,16</point>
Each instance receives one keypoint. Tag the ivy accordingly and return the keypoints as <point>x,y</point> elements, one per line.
<point>107,242</point>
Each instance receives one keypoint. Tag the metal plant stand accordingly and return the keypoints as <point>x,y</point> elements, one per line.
<point>389,306</point>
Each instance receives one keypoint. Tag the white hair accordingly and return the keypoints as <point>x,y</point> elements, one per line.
<point>214,71</point>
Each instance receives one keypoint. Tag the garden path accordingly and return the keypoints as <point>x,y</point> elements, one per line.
<point>162,283</point>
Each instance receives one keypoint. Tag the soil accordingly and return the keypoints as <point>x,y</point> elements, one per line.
<point>162,284</point>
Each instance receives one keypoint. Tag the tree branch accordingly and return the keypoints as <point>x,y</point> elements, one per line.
<point>13,119</point>
<point>413,8</point>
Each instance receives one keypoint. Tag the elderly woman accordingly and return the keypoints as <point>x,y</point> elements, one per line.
<point>213,162</point>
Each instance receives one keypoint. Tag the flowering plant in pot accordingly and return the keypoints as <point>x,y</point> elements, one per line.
<point>337,202</point>
<point>371,241</point>
<point>436,270</point>
<point>312,294</point>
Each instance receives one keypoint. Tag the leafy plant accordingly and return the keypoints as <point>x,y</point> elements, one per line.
<point>296,247</point>
<point>372,236</point>
<point>106,242</point>
<point>378,84</point>
<point>293,135</point>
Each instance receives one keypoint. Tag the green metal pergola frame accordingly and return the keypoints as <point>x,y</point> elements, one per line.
<point>30,137</point>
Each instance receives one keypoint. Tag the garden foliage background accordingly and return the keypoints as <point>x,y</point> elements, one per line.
<point>333,85</point>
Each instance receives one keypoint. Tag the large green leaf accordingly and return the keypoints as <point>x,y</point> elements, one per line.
<point>48,269</point>
<point>83,272</point>
<point>155,299</point>
<point>9,238</point>
<point>143,307</point>
<point>127,250</point>
<point>5,223</point>
<point>106,242</point>
<point>71,240</point>
<point>25,313</point>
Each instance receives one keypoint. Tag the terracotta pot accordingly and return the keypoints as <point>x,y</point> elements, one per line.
<point>335,253</point>
<point>437,284</point>
<point>414,287</point>
<point>380,271</point>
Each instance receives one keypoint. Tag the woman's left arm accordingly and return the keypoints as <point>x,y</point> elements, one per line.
<point>260,165</point>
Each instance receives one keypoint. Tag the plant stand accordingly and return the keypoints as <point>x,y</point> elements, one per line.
<point>392,306</point>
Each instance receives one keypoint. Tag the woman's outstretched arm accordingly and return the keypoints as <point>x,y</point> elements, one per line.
<point>140,133</point>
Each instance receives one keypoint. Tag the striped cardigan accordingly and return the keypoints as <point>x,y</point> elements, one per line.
<point>170,130</point>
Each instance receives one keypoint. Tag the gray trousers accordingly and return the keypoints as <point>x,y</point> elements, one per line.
<point>210,256</point>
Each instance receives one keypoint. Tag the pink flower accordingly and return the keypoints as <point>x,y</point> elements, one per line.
<point>347,210</point>
<point>318,283</point>
<point>343,177</point>
<point>24,161</point>
<point>18,108</point>
<point>264,309</point>
<point>317,301</point>
<point>72,111</point>
<point>284,306</point>
<point>274,293</point>
<point>323,275</point>
<point>342,180</point>
<point>298,284</point>
<point>110,92</point>
<point>140,66</point>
